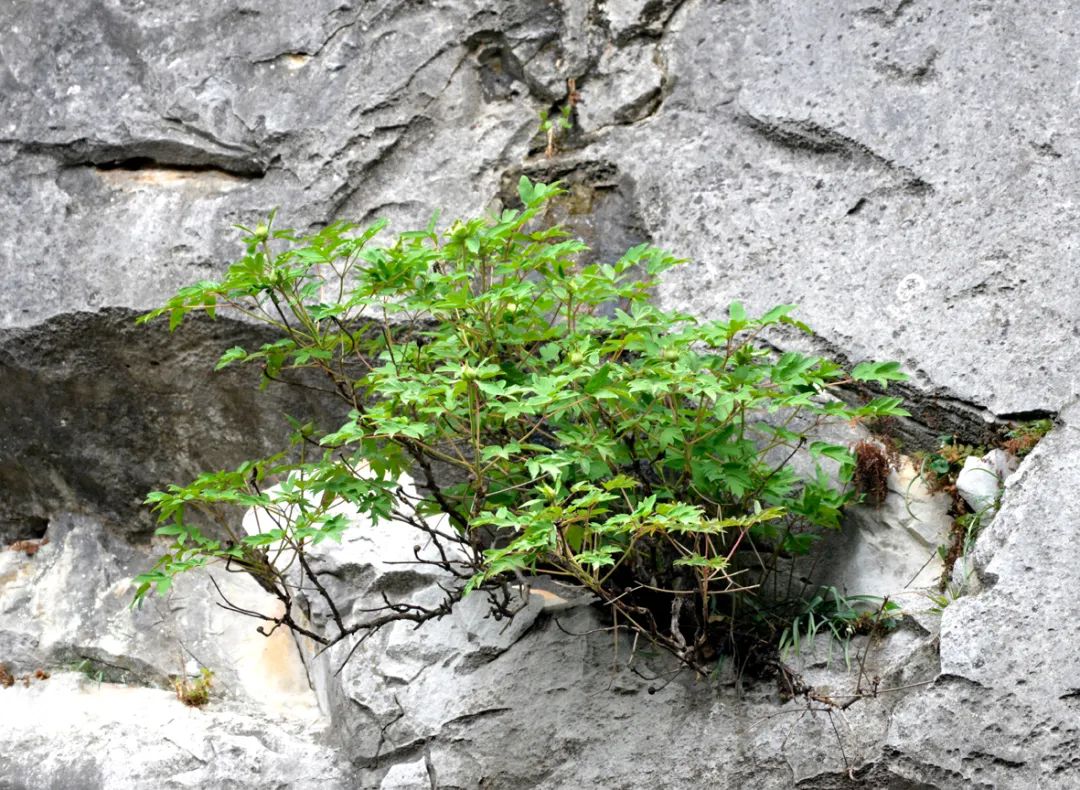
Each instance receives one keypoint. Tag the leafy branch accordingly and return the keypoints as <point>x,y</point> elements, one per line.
<point>639,453</point>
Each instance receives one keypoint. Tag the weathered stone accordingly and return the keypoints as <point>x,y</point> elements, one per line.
<point>69,606</point>
<point>71,731</point>
<point>913,195</point>
<point>844,179</point>
<point>558,708</point>
<point>626,19</point>
<point>145,142</point>
<point>628,89</point>
<point>549,697</point>
<point>404,776</point>
<point>96,412</point>
<point>981,480</point>
<point>890,549</point>
<point>1008,685</point>
<point>105,718</point>
<point>738,181</point>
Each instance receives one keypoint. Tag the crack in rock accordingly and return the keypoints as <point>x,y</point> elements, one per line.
<point>630,19</point>
<point>170,155</point>
<point>885,16</point>
<point>808,136</point>
<point>917,73</point>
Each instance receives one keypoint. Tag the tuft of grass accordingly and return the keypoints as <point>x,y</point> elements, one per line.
<point>194,693</point>
<point>841,617</point>
<point>90,670</point>
<point>948,593</point>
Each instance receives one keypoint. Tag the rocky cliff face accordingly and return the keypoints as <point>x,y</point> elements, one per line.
<point>901,169</point>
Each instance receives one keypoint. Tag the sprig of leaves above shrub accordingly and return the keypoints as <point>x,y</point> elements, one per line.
<point>557,420</point>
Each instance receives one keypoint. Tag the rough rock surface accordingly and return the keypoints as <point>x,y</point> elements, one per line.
<point>1008,684</point>
<point>66,609</point>
<point>69,605</point>
<point>95,412</point>
<point>901,169</point>
<point>981,480</point>
<point>73,732</point>
<point>890,549</point>
<point>552,699</point>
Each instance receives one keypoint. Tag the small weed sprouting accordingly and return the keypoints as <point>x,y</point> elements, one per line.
<point>552,128</point>
<point>194,693</point>
<point>101,672</point>
<point>87,668</point>
<point>1022,438</point>
<point>940,469</point>
<point>942,598</point>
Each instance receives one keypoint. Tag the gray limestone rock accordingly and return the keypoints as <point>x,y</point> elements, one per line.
<point>981,480</point>
<point>902,170</point>
<point>899,188</point>
<point>1007,689</point>
<point>556,699</point>
<point>96,412</point>
<point>69,731</point>
<point>890,549</point>
<point>68,606</point>
<point>106,717</point>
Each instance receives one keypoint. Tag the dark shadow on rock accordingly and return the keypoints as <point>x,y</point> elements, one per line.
<point>95,412</point>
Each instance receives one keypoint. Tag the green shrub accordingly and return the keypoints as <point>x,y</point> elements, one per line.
<point>562,423</point>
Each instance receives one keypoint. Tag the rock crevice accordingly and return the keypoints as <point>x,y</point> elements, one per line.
<point>913,196</point>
